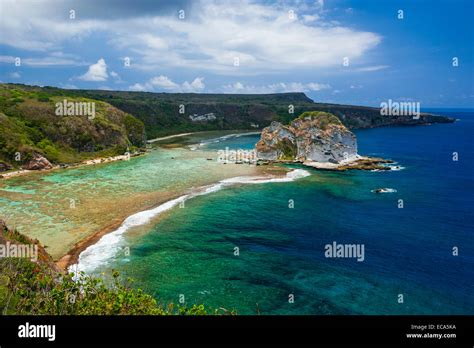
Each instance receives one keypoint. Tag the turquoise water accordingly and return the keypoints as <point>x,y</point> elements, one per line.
<point>62,207</point>
<point>408,251</point>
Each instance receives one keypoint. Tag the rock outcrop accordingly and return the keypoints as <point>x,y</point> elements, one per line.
<point>4,167</point>
<point>38,162</point>
<point>314,136</point>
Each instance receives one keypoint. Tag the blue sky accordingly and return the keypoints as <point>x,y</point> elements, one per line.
<point>348,52</point>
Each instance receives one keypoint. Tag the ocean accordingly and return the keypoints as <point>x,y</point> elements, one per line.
<point>235,239</point>
<point>259,247</point>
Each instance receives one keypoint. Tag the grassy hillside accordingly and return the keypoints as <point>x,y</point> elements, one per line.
<point>29,124</point>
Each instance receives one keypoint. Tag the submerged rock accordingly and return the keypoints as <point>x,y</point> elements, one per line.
<point>314,136</point>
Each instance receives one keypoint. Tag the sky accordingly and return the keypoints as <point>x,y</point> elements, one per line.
<point>360,52</point>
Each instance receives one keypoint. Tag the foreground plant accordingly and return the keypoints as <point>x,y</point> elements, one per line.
<point>29,288</point>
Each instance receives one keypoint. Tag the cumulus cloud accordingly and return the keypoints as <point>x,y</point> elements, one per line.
<point>280,87</point>
<point>261,35</point>
<point>96,72</point>
<point>138,87</point>
<point>196,86</point>
<point>164,83</point>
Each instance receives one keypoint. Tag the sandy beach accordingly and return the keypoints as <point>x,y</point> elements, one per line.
<point>169,137</point>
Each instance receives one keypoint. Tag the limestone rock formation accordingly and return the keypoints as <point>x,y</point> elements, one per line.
<point>314,136</point>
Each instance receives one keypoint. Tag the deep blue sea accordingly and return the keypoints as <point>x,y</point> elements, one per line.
<point>408,251</point>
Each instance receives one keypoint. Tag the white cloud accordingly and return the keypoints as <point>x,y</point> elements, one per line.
<point>317,86</point>
<point>160,83</point>
<point>40,25</point>
<point>137,87</point>
<point>261,35</point>
<point>15,75</point>
<point>116,77</point>
<point>310,18</point>
<point>163,82</point>
<point>7,59</point>
<point>52,59</point>
<point>96,72</point>
<point>372,68</point>
<point>49,61</point>
<point>280,87</point>
<point>196,86</point>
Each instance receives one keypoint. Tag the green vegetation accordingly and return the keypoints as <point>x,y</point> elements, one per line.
<point>287,149</point>
<point>29,124</point>
<point>29,288</point>
<point>32,289</point>
<point>27,118</point>
<point>160,111</point>
<point>323,119</point>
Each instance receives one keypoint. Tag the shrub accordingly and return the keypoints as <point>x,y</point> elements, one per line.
<point>35,289</point>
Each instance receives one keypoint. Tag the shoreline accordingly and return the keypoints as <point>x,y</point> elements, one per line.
<point>89,162</point>
<point>72,256</point>
<point>358,162</point>
<point>99,160</point>
<point>243,131</point>
<point>151,141</point>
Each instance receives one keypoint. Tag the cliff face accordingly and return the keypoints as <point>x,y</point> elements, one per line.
<point>34,132</point>
<point>314,136</point>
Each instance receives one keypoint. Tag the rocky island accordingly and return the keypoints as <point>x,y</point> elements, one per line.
<point>316,139</point>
